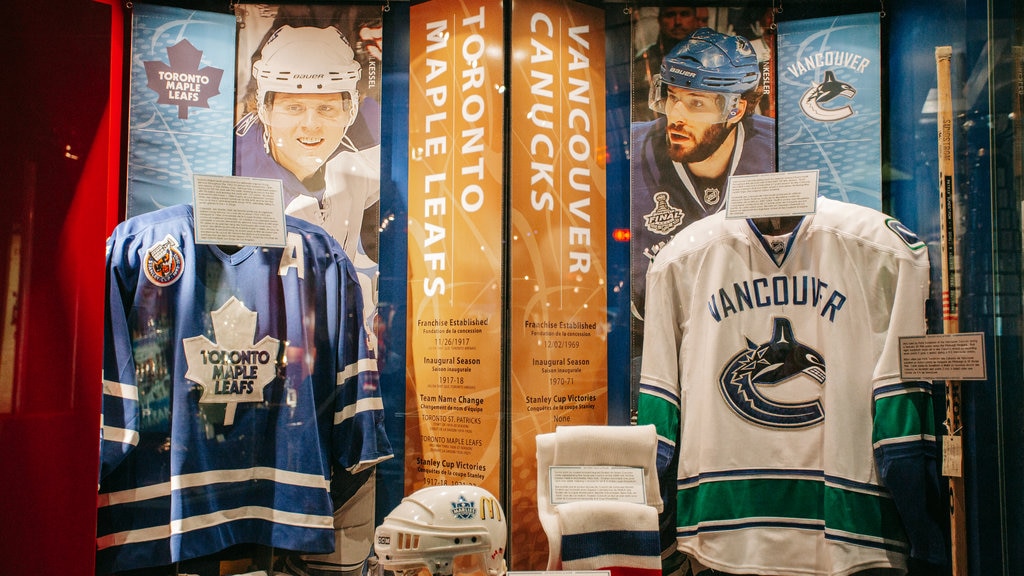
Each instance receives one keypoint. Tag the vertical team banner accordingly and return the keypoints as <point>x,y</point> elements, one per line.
<point>558,302</point>
<point>456,116</point>
<point>179,103</point>
<point>829,104</point>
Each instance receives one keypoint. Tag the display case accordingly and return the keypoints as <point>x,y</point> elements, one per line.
<point>510,237</point>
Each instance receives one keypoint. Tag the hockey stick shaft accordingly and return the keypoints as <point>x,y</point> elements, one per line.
<point>950,303</point>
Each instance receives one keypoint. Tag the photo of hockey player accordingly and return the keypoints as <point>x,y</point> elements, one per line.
<point>707,129</point>
<point>297,132</point>
<point>705,95</point>
<point>309,116</point>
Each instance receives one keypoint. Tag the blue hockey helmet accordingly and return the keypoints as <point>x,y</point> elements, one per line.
<point>712,61</point>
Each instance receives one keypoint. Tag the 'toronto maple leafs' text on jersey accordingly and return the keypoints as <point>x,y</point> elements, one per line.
<point>235,385</point>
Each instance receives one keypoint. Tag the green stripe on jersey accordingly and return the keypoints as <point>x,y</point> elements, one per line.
<point>750,498</point>
<point>903,415</point>
<point>841,509</point>
<point>860,513</point>
<point>663,414</point>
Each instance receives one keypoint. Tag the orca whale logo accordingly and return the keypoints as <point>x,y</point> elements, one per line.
<point>816,100</point>
<point>764,365</point>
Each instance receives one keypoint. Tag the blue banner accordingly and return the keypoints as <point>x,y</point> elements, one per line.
<point>829,104</point>
<point>181,103</point>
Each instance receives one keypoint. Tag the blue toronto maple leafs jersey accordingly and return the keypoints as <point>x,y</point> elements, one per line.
<point>234,383</point>
<point>788,442</point>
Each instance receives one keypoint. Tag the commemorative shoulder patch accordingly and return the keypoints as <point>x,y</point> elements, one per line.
<point>164,262</point>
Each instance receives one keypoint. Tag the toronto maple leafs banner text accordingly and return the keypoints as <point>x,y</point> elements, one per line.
<point>453,375</point>
<point>180,103</point>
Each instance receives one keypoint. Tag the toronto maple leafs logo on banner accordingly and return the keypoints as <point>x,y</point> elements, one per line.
<point>180,103</point>
<point>182,82</point>
<point>234,369</point>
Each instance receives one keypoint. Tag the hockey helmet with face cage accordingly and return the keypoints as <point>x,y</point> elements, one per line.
<point>444,530</point>
<point>707,61</point>
<point>307,60</point>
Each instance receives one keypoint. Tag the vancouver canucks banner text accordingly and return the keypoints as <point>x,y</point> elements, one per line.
<point>558,326</point>
<point>829,105</point>
<point>180,103</point>
<point>453,389</point>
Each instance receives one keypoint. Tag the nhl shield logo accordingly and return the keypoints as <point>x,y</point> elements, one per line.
<point>665,217</point>
<point>164,263</point>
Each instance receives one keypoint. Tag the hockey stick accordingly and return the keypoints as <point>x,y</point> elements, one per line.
<point>952,452</point>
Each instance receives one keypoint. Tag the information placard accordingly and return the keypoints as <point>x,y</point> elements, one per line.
<point>772,195</point>
<point>943,357</point>
<point>237,211</point>
<point>615,483</point>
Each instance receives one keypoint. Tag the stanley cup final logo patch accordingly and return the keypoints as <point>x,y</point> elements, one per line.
<point>665,217</point>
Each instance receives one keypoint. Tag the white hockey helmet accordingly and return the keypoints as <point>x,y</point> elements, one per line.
<point>444,530</point>
<point>307,60</point>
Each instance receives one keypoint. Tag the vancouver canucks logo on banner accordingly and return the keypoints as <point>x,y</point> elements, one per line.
<point>233,369</point>
<point>761,366</point>
<point>828,101</point>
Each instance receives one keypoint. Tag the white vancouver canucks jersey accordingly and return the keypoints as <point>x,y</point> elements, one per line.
<point>771,365</point>
<point>236,383</point>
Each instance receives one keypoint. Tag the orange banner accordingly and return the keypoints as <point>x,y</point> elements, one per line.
<point>456,114</point>
<point>558,323</point>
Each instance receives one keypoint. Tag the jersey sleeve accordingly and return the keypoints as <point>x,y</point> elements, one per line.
<point>659,397</point>
<point>119,419</point>
<point>658,402</point>
<point>904,422</point>
<point>359,437</point>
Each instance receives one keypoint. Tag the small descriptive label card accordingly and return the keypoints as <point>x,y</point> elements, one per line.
<point>772,195</point>
<point>238,211</point>
<point>615,483</point>
<point>952,456</point>
<point>943,357</point>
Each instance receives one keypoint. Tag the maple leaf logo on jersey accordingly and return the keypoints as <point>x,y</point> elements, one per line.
<point>183,83</point>
<point>762,365</point>
<point>234,369</point>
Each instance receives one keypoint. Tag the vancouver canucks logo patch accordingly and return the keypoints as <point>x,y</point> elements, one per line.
<point>821,101</point>
<point>463,509</point>
<point>233,369</point>
<point>164,263</point>
<point>905,234</point>
<point>665,217</point>
<point>761,366</point>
